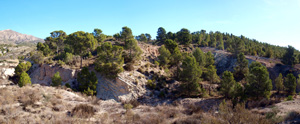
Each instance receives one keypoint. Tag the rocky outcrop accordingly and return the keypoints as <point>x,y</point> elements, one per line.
<point>123,89</point>
<point>43,74</point>
<point>7,68</point>
<point>224,61</point>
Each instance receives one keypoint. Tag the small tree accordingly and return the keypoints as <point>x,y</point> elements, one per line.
<point>290,83</point>
<point>184,36</point>
<point>22,67</point>
<point>190,75</point>
<point>110,61</point>
<point>229,87</point>
<point>289,57</point>
<point>88,81</point>
<point>24,79</point>
<point>171,45</point>
<point>227,83</point>
<point>56,80</point>
<point>161,35</point>
<point>279,83</point>
<point>81,42</point>
<point>200,57</point>
<point>176,58</point>
<point>211,74</point>
<point>241,70</point>
<point>126,33</point>
<point>133,49</point>
<point>164,57</point>
<point>210,60</point>
<point>259,83</point>
<point>98,35</point>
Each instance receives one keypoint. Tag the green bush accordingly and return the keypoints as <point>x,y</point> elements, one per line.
<point>24,79</point>
<point>22,67</point>
<point>88,81</point>
<point>151,84</point>
<point>128,106</point>
<point>156,63</point>
<point>56,80</point>
<point>68,58</point>
<point>289,98</point>
<point>61,63</point>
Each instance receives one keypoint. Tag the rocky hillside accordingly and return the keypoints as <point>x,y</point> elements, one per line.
<point>12,37</point>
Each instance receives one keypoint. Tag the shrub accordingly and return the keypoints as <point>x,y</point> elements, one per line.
<point>56,79</point>
<point>89,55</point>
<point>128,106</point>
<point>61,63</point>
<point>289,98</point>
<point>83,111</point>
<point>88,81</point>
<point>22,67</point>
<point>68,85</point>
<point>151,84</point>
<point>38,58</point>
<point>129,66</point>
<point>68,58</point>
<point>156,63</point>
<point>24,79</point>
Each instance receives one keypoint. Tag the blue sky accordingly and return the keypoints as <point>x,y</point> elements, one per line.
<point>272,21</point>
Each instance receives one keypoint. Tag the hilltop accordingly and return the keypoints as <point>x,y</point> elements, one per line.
<point>12,37</point>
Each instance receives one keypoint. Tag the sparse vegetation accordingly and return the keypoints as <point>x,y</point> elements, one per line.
<point>56,80</point>
<point>24,79</point>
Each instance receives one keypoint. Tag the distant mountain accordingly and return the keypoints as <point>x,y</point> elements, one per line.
<point>12,37</point>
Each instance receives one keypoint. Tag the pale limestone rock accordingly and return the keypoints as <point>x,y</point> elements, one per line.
<point>44,73</point>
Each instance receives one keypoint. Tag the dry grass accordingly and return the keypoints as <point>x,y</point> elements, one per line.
<point>37,104</point>
<point>83,111</point>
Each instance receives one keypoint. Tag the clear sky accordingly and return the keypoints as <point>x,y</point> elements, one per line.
<point>272,21</point>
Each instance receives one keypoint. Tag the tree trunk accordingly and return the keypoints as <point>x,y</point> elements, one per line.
<point>57,49</point>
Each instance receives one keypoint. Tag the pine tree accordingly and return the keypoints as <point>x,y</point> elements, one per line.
<point>164,57</point>
<point>290,83</point>
<point>229,87</point>
<point>259,83</point>
<point>200,57</point>
<point>110,61</point>
<point>176,59</point>
<point>87,81</point>
<point>161,35</point>
<point>210,60</point>
<point>171,45</point>
<point>211,74</point>
<point>126,33</point>
<point>289,57</point>
<point>190,75</point>
<point>279,83</point>
<point>241,70</point>
<point>133,49</point>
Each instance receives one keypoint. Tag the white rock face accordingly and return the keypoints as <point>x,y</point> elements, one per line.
<point>43,74</point>
<point>7,68</point>
<point>123,88</point>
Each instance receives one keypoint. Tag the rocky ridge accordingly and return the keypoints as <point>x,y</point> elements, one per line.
<point>12,37</point>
